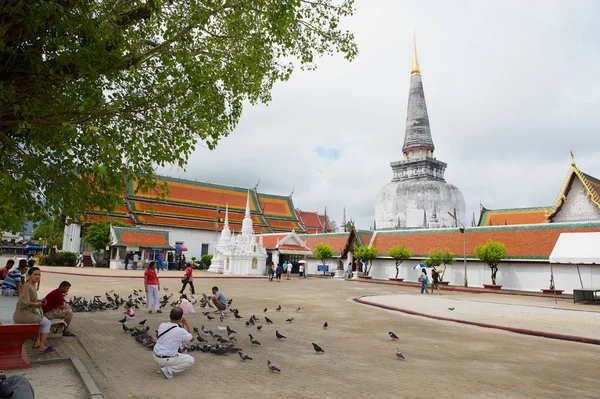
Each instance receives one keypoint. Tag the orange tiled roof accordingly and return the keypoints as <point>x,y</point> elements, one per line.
<point>514,216</point>
<point>365,236</point>
<point>313,222</point>
<point>270,240</point>
<point>126,236</point>
<point>189,211</point>
<point>337,241</point>
<point>285,225</point>
<point>91,218</point>
<point>522,242</point>
<point>190,223</point>
<point>277,206</point>
<point>294,247</point>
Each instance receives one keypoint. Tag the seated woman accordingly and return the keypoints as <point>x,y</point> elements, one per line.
<point>28,310</point>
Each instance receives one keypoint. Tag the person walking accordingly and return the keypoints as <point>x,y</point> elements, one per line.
<point>127,258</point>
<point>271,271</point>
<point>423,279</point>
<point>136,260</point>
<point>152,286</point>
<point>188,279</point>
<point>278,272</point>
<point>435,277</point>
<point>349,271</point>
<point>289,271</point>
<point>171,337</point>
<point>80,260</point>
<point>159,262</point>
<point>301,270</point>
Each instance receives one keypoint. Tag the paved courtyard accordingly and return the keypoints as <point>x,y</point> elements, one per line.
<point>443,359</point>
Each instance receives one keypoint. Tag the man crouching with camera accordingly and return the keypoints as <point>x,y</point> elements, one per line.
<point>15,387</point>
<point>170,338</point>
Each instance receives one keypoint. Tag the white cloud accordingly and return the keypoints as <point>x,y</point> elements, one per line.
<point>511,87</point>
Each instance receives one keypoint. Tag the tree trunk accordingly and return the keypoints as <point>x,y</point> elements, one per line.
<point>444,272</point>
<point>397,269</point>
<point>494,271</point>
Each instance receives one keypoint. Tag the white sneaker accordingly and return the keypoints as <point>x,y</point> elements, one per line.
<point>168,375</point>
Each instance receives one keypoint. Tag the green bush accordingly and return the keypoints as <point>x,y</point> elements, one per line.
<point>68,258</point>
<point>206,259</point>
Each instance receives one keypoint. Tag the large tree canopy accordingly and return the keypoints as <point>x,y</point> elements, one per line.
<point>96,91</point>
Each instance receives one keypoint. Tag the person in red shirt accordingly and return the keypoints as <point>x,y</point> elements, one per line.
<point>152,286</point>
<point>55,308</point>
<point>6,269</point>
<point>188,279</point>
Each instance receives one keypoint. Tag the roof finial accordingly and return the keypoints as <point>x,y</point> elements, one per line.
<point>247,214</point>
<point>415,62</point>
<point>572,158</point>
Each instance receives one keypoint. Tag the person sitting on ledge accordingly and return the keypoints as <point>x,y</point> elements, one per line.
<point>6,269</point>
<point>11,286</point>
<point>15,387</point>
<point>28,311</point>
<point>55,307</point>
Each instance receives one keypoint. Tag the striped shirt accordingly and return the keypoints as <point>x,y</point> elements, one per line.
<point>10,282</point>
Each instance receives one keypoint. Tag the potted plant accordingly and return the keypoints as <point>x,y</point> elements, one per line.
<point>399,253</point>
<point>366,254</point>
<point>491,253</point>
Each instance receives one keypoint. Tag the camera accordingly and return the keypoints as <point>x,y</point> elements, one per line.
<point>5,390</point>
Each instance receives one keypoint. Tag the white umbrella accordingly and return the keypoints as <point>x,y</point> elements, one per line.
<point>419,266</point>
<point>301,261</point>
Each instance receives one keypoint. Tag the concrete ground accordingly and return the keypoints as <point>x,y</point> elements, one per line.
<point>56,380</point>
<point>443,359</point>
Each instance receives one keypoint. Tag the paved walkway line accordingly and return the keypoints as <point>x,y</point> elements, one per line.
<point>563,337</point>
<point>468,290</point>
<point>142,276</point>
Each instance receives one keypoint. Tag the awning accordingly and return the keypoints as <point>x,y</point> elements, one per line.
<point>577,248</point>
<point>294,252</point>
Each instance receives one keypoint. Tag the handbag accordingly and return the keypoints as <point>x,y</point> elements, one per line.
<point>185,280</point>
<point>421,279</point>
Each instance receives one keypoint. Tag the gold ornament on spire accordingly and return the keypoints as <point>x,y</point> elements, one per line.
<point>572,158</point>
<point>415,62</point>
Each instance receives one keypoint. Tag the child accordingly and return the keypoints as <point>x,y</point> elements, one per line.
<point>186,306</point>
<point>129,313</point>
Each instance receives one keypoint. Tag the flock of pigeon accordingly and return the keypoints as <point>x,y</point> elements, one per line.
<point>207,341</point>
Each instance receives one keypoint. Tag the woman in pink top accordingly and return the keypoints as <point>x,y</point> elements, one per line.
<point>188,279</point>
<point>152,286</point>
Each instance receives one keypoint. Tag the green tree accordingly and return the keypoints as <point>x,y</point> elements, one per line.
<point>97,235</point>
<point>367,254</point>
<point>206,259</point>
<point>438,257</point>
<point>51,232</point>
<point>399,253</point>
<point>323,252</point>
<point>93,93</point>
<point>491,253</point>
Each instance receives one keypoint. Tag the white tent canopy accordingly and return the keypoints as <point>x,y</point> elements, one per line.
<point>578,248</point>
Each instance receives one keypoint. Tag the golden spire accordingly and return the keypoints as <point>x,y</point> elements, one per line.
<point>415,64</point>
<point>572,158</point>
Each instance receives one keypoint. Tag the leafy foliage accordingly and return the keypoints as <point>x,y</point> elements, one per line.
<point>51,232</point>
<point>491,253</point>
<point>367,254</point>
<point>438,257</point>
<point>68,258</point>
<point>323,252</point>
<point>97,235</point>
<point>93,93</point>
<point>206,259</point>
<point>399,253</point>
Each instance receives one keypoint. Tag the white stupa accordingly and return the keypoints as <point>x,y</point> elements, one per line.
<point>240,255</point>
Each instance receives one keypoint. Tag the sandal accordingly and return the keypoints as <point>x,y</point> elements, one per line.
<point>49,349</point>
<point>68,334</point>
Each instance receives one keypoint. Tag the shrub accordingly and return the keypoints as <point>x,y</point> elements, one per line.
<point>68,258</point>
<point>206,259</point>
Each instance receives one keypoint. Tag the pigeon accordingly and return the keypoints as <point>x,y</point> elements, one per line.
<point>400,355</point>
<point>196,329</point>
<point>123,320</point>
<point>230,331</point>
<point>244,357</point>
<point>125,328</point>
<point>393,336</point>
<point>255,318</point>
<point>272,367</point>
<point>279,336</point>
<point>298,309</point>
<point>204,331</point>
<point>247,323</point>
<point>289,320</point>
<point>259,328</point>
<point>278,308</point>
<point>209,317</point>
<point>253,341</point>
<point>165,288</point>
<point>451,309</point>
<point>317,348</point>
<point>325,325</point>
<point>269,321</point>
<point>265,310</point>
<point>141,323</point>
<point>205,313</point>
<point>237,316</point>
<point>222,328</point>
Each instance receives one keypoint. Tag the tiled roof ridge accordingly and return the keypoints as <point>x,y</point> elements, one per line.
<point>540,226</point>
<point>532,208</point>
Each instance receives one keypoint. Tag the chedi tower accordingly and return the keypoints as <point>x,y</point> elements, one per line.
<point>418,196</point>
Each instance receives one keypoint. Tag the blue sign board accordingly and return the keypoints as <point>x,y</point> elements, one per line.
<point>323,268</point>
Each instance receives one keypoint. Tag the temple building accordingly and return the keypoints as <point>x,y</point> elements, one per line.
<point>193,213</point>
<point>418,195</point>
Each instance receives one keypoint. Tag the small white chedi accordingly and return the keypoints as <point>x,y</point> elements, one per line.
<point>240,255</point>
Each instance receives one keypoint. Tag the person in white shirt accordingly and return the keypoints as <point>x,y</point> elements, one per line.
<point>136,259</point>
<point>170,338</point>
<point>301,271</point>
<point>289,271</point>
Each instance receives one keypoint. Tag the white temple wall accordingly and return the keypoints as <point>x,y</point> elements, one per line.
<point>511,275</point>
<point>192,239</point>
<point>72,238</point>
<point>577,207</point>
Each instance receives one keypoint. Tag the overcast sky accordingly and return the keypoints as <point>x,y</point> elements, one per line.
<point>510,86</point>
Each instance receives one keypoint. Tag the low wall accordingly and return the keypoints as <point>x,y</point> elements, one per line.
<point>511,275</point>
